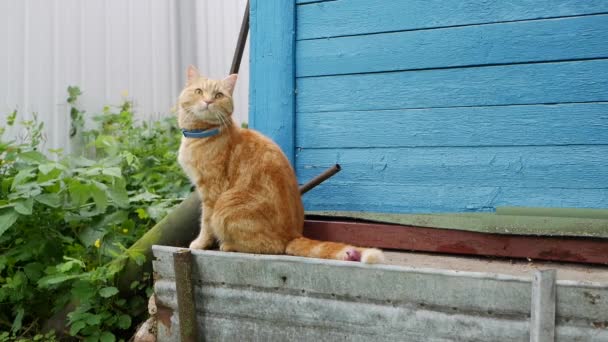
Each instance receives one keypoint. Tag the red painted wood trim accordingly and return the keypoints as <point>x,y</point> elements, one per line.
<point>459,242</point>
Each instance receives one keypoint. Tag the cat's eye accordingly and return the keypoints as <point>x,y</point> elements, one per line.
<point>198,91</point>
<point>219,95</point>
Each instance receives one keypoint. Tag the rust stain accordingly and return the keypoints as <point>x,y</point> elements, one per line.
<point>163,314</point>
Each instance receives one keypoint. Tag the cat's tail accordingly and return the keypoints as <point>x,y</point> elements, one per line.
<point>333,250</point>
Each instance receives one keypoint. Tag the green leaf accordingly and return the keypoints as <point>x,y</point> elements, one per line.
<point>129,157</point>
<point>91,234</point>
<point>6,183</point>
<point>17,322</point>
<point>79,192</point>
<point>33,271</point>
<point>8,217</point>
<point>93,319</point>
<point>55,279</point>
<point>77,261</point>
<point>73,93</point>
<point>118,194</point>
<point>100,198</point>
<point>32,157</point>
<point>10,120</point>
<point>51,200</point>
<point>158,210</point>
<point>112,171</point>
<point>52,177</point>
<point>124,321</point>
<point>24,207</point>
<point>67,266</point>
<point>108,143</point>
<point>83,290</point>
<point>112,161</point>
<point>107,336</point>
<point>108,292</point>
<point>141,213</point>
<point>83,162</point>
<point>22,176</point>
<point>76,327</point>
<point>144,197</point>
<point>96,231</point>
<point>92,171</point>
<point>48,167</point>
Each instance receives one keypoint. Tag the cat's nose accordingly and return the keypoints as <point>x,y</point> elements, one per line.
<point>208,102</point>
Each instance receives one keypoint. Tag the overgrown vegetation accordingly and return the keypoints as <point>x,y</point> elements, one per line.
<point>63,218</point>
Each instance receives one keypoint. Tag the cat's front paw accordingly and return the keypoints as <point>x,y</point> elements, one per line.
<point>199,244</point>
<point>226,247</point>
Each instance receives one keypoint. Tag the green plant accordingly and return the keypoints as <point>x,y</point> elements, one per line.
<point>63,219</point>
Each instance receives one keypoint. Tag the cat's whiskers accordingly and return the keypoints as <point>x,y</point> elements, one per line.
<point>190,110</point>
<point>221,118</point>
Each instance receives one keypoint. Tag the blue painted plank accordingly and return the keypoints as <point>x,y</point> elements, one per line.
<point>396,198</point>
<point>272,71</point>
<point>299,2</point>
<point>516,166</point>
<point>351,17</point>
<point>564,124</point>
<point>504,43</point>
<point>581,81</point>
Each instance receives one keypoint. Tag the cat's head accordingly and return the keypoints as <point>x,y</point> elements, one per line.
<point>205,102</point>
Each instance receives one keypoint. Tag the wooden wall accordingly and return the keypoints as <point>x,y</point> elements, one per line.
<point>450,105</point>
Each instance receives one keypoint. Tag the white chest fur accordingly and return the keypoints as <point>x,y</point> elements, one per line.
<point>187,161</point>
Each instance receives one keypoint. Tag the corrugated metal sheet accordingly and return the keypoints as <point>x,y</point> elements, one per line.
<point>107,47</point>
<point>244,297</point>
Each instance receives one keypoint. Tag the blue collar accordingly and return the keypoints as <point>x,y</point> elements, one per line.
<point>200,133</point>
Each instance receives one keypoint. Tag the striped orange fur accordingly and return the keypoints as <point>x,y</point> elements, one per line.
<point>249,192</point>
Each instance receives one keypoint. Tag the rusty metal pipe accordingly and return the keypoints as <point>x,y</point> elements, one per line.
<point>320,178</point>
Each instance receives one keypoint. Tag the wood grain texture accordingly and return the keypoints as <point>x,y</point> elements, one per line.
<point>453,106</point>
<point>503,43</point>
<point>272,95</point>
<point>513,167</point>
<point>327,19</point>
<point>459,242</point>
<point>581,81</point>
<point>405,198</point>
<point>564,124</point>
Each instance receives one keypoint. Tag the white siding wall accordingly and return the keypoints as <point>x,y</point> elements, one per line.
<point>107,47</point>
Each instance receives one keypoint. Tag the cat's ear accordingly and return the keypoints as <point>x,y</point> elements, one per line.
<point>192,74</point>
<point>229,82</point>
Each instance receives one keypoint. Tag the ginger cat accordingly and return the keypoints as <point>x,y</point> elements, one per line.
<point>249,192</point>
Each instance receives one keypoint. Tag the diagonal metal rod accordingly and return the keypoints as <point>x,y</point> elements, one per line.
<point>320,178</point>
<point>234,69</point>
<point>240,43</point>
